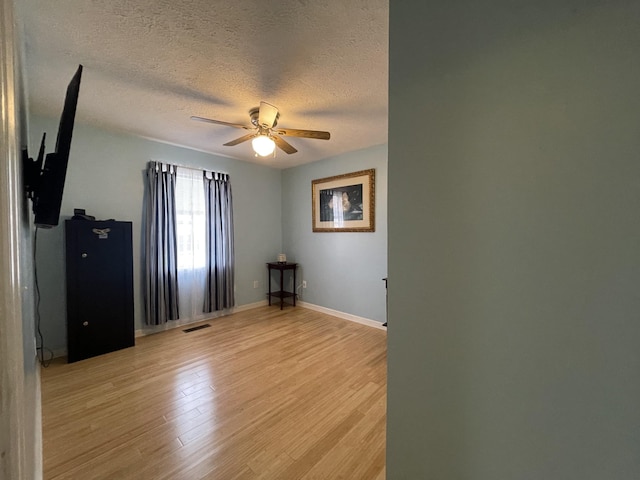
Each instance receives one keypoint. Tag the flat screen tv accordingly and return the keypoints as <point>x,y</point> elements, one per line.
<point>44,181</point>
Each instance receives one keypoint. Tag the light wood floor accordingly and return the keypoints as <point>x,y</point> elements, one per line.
<point>261,394</point>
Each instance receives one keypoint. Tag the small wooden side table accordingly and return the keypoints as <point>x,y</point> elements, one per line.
<point>282,293</point>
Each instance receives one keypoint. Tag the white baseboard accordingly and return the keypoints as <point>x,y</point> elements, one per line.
<point>250,306</point>
<point>61,352</point>
<point>150,330</point>
<point>171,324</point>
<point>343,315</point>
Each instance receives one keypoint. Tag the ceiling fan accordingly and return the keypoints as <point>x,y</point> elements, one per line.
<point>265,137</point>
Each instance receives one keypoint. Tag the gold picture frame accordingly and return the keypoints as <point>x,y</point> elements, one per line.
<point>344,203</point>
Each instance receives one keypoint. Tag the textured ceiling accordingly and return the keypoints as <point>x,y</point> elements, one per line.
<point>151,64</point>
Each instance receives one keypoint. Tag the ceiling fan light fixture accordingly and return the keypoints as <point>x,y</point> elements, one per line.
<point>264,137</point>
<point>263,145</point>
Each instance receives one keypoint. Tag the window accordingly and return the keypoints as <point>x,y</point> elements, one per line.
<point>190,220</point>
<point>189,237</point>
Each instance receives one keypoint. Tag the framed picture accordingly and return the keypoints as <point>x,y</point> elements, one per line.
<point>344,203</point>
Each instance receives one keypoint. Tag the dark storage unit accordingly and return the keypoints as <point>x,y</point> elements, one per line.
<point>282,293</point>
<point>99,287</point>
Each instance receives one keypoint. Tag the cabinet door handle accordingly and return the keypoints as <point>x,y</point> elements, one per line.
<point>85,323</point>
<point>84,255</point>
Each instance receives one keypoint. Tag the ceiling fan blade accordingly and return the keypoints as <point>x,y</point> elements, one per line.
<point>268,115</point>
<point>283,145</point>
<point>291,132</point>
<point>218,122</point>
<point>244,138</point>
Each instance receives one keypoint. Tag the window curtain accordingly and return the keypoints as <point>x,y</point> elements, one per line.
<point>219,278</point>
<point>191,220</point>
<point>161,260</point>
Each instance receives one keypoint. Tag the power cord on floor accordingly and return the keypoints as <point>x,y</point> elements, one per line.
<point>40,348</point>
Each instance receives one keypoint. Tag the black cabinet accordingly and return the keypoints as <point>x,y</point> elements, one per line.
<point>99,261</point>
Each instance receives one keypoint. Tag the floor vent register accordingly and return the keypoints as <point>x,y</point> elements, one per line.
<point>199,327</point>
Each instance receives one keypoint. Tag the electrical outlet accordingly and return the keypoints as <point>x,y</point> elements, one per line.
<point>256,284</point>
<point>304,284</point>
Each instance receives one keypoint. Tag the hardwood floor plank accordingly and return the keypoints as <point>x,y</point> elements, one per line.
<point>261,394</point>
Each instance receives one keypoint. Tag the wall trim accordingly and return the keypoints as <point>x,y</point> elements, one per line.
<point>345,316</point>
<point>150,330</point>
<point>60,352</point>
<point>250,306</point>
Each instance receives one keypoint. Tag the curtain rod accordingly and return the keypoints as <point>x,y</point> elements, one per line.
<point>197,169</point>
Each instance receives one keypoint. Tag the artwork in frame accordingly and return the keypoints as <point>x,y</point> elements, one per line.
<point>344,203</point>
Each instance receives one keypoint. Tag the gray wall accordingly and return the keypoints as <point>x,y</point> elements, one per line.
<point>343,271</point>
<point>514,338</point>
<point>105,176</point>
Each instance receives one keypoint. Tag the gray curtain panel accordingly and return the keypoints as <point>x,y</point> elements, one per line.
<point>220,254</point>
<point>160,249</point>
